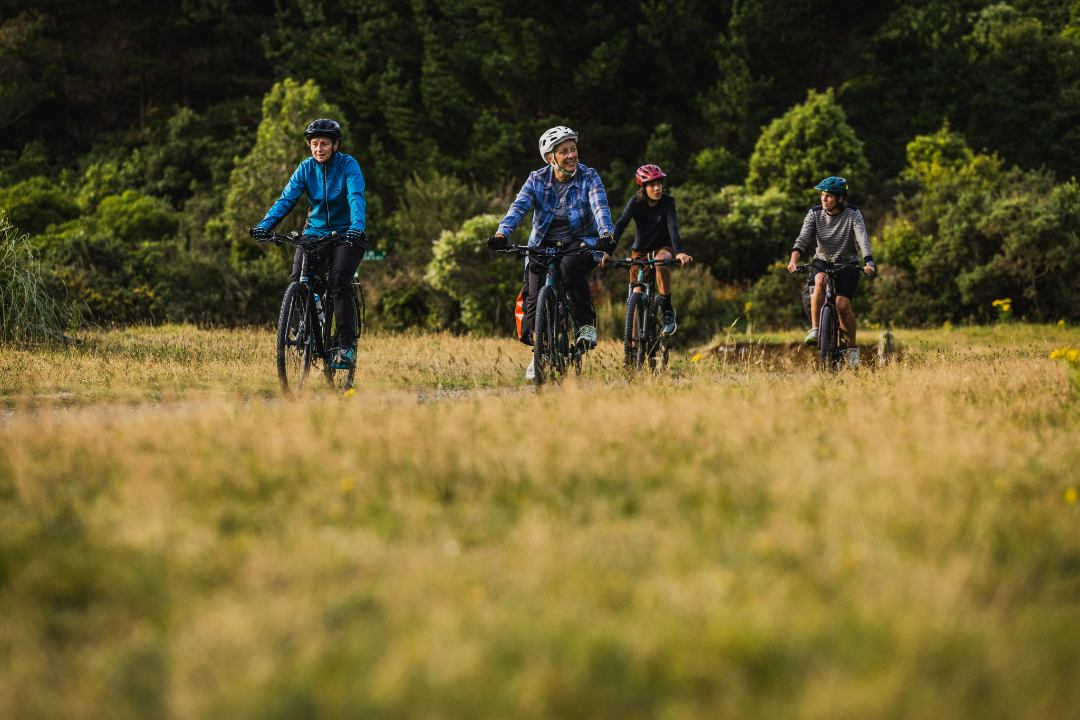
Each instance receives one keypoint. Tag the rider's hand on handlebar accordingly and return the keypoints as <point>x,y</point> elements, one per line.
<point>792,266</point>
<point>356,237</point>
<point>497,243</point>
<point>259,233</point>
<point>684,258</point>
<point>869,269</point>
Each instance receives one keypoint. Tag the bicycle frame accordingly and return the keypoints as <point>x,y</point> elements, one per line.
<point>640,330</point>
<point>566,324</point>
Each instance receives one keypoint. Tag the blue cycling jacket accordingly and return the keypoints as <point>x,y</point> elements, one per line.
<point>336,194</point>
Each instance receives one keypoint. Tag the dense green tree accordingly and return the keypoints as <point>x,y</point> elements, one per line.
<point>809,142</point>
<point>1005,76</point>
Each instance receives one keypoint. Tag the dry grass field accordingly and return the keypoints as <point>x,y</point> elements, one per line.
<point>739,539</point>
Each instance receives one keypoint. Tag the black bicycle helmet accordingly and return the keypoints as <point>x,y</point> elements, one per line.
<point>323,128</point>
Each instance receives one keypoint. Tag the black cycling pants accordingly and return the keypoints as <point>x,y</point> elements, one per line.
<point>575,271</point>
<point>344,259</point>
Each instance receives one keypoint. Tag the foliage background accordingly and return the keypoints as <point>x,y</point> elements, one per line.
<point>139,141</point>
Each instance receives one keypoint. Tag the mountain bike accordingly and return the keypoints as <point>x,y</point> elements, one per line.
<point>555,347</point>
<point>307,332</point>
<point>832,341</point>
<point>643,342</point>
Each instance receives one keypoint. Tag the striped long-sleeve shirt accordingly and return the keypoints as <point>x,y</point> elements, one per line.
<point>837,235</point>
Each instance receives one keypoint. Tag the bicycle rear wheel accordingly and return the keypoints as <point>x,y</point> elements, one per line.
<point>635,307</point>
<point>546,357</point>
<point>295,340</point>
<point>826,337</point>
<point>341,379</point>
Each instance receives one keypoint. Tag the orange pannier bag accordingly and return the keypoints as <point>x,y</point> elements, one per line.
<point>519,310</point>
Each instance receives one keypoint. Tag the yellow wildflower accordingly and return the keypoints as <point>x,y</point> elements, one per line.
<point>1070,495</point>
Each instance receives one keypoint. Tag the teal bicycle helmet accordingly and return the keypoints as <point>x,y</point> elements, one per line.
<point>835,185</point>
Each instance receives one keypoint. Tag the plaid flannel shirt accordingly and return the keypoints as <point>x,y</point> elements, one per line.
<point>588,220</point>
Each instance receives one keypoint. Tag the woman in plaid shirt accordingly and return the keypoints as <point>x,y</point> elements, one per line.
<point>571,208</point>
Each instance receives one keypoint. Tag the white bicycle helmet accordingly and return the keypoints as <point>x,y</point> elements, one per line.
<point>553,137</point>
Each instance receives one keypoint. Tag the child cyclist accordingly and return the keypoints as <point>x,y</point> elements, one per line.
<point>656,235</point>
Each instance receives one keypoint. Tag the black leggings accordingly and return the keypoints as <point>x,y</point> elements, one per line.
<point>575,271</point>
<point>344,259</point>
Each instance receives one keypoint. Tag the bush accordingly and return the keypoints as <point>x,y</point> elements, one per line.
<point>736,233</point>
<point>483,283</point>
<point>972,233</point>
<point>26,308</point>
<point>810,142</point>
<point>132,216</point>
<point>775,301</point>
<point>34,204</point>
<point>408,301</point>
<point>695,296</point>
<point>716,169</point>
<point>427,207</point>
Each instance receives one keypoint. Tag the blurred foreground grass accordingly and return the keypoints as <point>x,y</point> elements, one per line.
<point>754,541</point>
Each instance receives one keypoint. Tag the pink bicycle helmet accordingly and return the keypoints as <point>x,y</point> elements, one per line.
<point>645,173</point>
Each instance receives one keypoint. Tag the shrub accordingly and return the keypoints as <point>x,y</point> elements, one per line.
<point>736,233</point>
<point>716,169</point>
<point>427,207</point>
<point>34,204</point>
<point>132,216</point>
<point>26,309</point>
<point>775,301</point>
<point>694,295</point>
<point>483,283</point>
<point>972,233</point>
<point>810,142</point>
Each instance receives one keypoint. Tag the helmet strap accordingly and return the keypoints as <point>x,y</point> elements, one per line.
<point>555,163</point>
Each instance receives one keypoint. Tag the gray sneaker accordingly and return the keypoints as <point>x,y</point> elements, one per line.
<point>811,337</point>
<point>667,322</point>
<point>587,336</point>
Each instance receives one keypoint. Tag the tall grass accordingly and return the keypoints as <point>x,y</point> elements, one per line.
<point>26,310</point>
<point>750,541</point>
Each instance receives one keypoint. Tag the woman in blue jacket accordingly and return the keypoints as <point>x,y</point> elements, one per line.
<point>335,188</point>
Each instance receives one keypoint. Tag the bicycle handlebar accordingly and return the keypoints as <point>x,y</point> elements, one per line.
<point>537,251</point>
<point>805,268</point>
<point>305,240</point>
<point>642,262</point>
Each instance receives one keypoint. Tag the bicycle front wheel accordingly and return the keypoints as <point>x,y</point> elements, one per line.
<point>657,342</point>
<point>341,379</point>
<point>635,308</point>
<point>295,339</point>
<point>546,358</point>
<point>646,336</point>
<point>826,337</point>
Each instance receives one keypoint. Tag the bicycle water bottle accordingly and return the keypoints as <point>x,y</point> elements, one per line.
<point>319,309</point>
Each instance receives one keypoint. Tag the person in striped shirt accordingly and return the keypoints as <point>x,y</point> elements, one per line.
<point>840,232</point>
